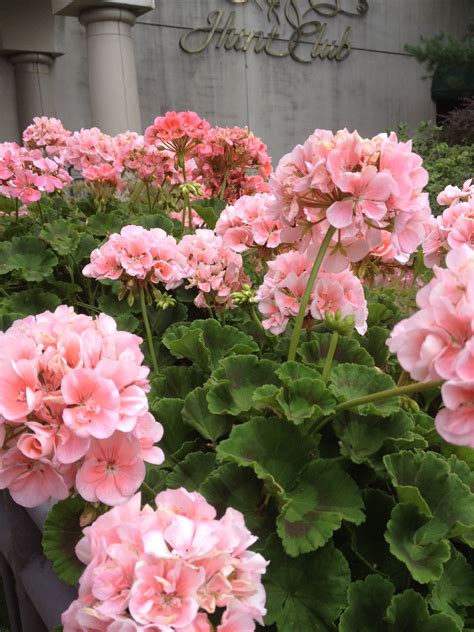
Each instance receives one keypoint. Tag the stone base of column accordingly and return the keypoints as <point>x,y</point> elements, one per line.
<point>34,90</point>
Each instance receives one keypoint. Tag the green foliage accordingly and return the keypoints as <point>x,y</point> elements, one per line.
<point>366,517</point>
<point>61,533</point>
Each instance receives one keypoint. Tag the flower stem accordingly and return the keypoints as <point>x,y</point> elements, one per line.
<point>150,208</point>
<point>224,184</point>
<point>330,356</point>
<point>417,387</point>
<point>146,322</point>
<point>295,338</point>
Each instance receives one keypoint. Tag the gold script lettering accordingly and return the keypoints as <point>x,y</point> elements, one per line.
<point>214,19</point>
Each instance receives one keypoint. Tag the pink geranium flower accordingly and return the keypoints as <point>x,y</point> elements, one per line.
<point>112,470</point>
<point>93,404</point>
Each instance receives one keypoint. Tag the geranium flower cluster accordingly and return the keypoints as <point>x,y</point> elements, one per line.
<point>216,271</point>
<point>26,174</point>
<point>153,257</point>
<point>247,224</point>
<point>356,186</point>
<point>437,343</point>
<point>454,227</point>
<point>179,132</point>
<point>232,162</point>
<point>46,133</point>
<point>137,253</point>
<point>73,410</point>
<point>283,286</point>
<point>168,569</point>
<point>142,160</point>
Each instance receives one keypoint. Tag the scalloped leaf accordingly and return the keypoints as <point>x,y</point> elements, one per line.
<point>206,342</point>
<point>368,600</point>
<point>305,594</point>
<point>191,472</point>
<point>348,350</point>
<point>168,411</point>
<point>29,257</point>
<point>368,541</point>
<point>61,533</point>
<point>61,235</point>
<point>425,562</point>
<point>176,381</point>
<point>363,436</point>
<point>232,486</point>
<point>274,448</point>
<point>350,381</point>
<point>454,588</point>
<point>426,479</point>
<point>408,612</point>
<point>32,302</point>
<point>324,496</point>
<point>102,224</point>
<point>306,398</point>
<point>196,414</point>
<point>234,382</point>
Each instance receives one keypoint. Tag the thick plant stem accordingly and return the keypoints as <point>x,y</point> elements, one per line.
<point>418,387</point>
<point>224,184</point>
<point>330,356</point>
<point>295,338</point>
<point>149,337</point>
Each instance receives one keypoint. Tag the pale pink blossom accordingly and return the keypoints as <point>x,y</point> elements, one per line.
<point>168,569</point>
<point>112,470</point>
<point>73,395</point>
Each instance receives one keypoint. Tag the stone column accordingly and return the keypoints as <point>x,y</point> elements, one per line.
<point>34,90</point>
<point>112,71</point>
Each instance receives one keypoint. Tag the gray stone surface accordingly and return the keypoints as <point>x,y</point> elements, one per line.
<point>375,88</point>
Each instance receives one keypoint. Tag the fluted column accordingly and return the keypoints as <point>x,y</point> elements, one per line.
<point>34,89</point>
<point>112,70</point>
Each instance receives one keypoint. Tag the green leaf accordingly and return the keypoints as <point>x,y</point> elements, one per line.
<point>206,342</point>
<point>349,381</point>
<point>323,497</point>
<point>455,586</point>
<point>61,533</point>
<point>408,612</point>
<point>176,381</point>
<point>368,602</point>
<point>32,302</point>
<point>155,220</point>
<point>191,472</point>
<point>425,562</point>
<point>274,448</point>
<point>306,398</point>
<point>308,593</point>
<point>290,371</point>
<point>196,414</point>
<point>378,314</point>
<point>426,479</point>
<point>61,235</point>
<point>209,210</point>
<point>239,488</point>
<point>168,411</point>
<point>103,224</point>
<point>348,350</point>
<point>368,540</point>
<point>233,383</point>
<point>375,342</point>
<point>361,437</point>
<point>28,256</point>
<point>85,246</point>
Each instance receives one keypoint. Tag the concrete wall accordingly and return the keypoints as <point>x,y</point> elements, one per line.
<point>376,87</point>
